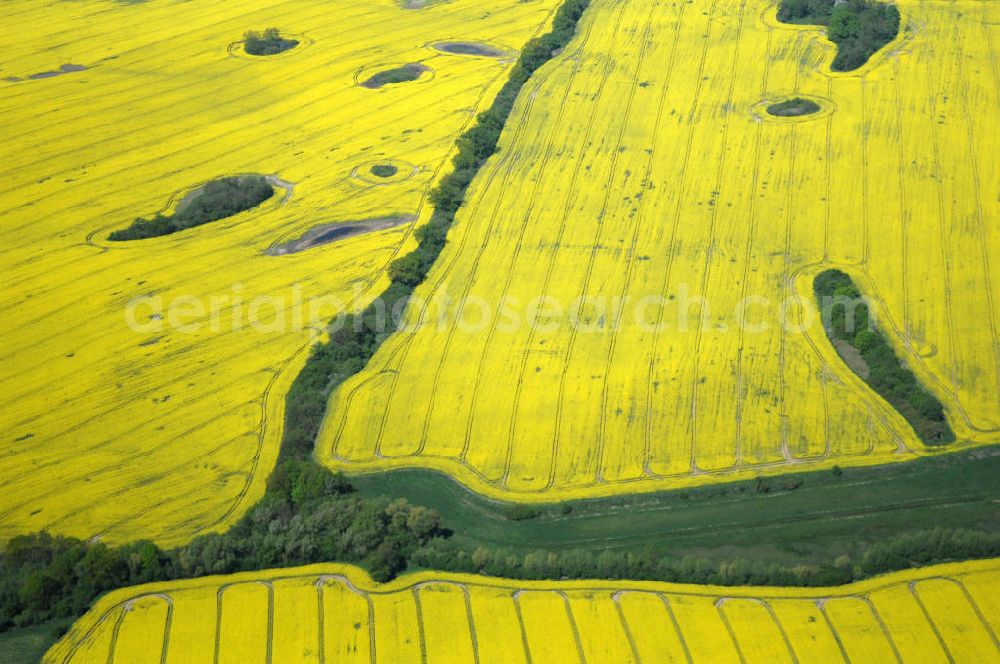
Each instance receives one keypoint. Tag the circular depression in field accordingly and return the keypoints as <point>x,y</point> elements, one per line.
<point>471,49</point>
<point>384,171</point>
<point>792,108</point>
<point>376,77</point>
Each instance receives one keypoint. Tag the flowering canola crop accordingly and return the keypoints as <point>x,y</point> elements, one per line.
<point>336,613</point>
<point>625,302</point>
<point>143,382</point>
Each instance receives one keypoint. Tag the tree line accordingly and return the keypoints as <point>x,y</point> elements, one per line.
<point>308,515</point>
<point>314,517</point>
<point>847,318</point>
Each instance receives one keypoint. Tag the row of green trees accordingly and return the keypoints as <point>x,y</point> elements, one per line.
<point>315,518</point>
<point>846,317</point>
<point>216,200</point>
<point>899,553</point>
<point>356,337</point>
<point>859,28</point>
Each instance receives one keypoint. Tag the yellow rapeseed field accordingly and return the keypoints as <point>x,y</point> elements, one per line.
<point>143,382</point>
<point>625,303</point>
<point>336,613</point>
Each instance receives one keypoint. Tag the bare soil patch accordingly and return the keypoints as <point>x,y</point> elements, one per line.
<point>336,231</point>
<point>469,48</point>
<point>63,69</point>
<point>852,357</point>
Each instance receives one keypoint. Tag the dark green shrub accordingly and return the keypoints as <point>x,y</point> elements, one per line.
<point>269,43</point>
<point>384,170</point>
<point>216,200</point>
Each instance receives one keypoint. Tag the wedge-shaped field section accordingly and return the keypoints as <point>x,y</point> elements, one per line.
<point>143,382</point>
<point>625,302</point>
<point>335,613</point>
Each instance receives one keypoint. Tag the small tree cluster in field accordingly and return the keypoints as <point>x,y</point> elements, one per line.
<point>270,42</point>
<point>890,378</point>
<point>384,170</point>
<point>216,200</point>
<point>858,27</point>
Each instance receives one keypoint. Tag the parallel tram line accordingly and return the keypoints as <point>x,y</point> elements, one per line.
<point>630,260</point>
<point>912,587</point>
<point>581,592</point>
<point>711,248</point>
<point>616,598</point>
<point>477,387</point>
<point>719,604</point>
<point>474,269</point>
<point>573,627</point>
<point>821,605</point>
<point>403,345</point>
<point>786,277</point>
<point>522,365</point>
<point>984,246</point>
<point>676,626</point>
<point>567,356</point>
<point>672,250</point>
<point>752,216</point>
<point>881,623</point>
<point>320,104</point>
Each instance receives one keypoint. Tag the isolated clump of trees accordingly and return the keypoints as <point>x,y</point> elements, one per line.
<point>846,317</point>
<point>384,170</point>
<point>270,42</point>
<point>859,28</point>
<point>216,200</point>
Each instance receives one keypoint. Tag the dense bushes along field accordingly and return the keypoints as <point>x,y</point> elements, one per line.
<point>216,200</point>
<point>311,515</point>
<point>886,374</point>
<point>859,28</point>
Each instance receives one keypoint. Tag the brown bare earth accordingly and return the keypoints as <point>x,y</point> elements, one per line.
<point>468,48</point>
<point>336,231</point>
<point>64,69</point>
<point>850,355</point>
